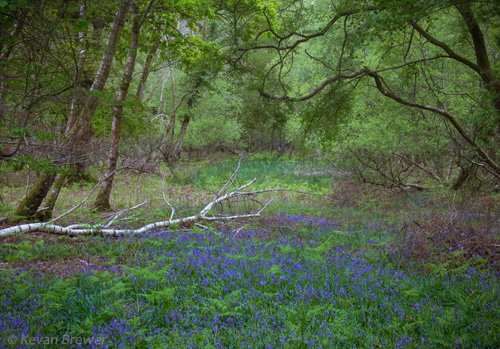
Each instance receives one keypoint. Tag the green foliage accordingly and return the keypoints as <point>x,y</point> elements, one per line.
<point>36,164</point>
<point>13,5</point>
<point>324,117</point>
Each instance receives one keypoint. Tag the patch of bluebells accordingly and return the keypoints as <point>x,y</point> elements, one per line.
<point>296,281</point>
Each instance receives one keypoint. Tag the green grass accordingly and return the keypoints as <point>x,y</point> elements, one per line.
<point>296,175</point>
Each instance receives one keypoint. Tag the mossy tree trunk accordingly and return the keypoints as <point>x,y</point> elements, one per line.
<point>50,201</point>
<point>30,204</point>
<point>80,171</point>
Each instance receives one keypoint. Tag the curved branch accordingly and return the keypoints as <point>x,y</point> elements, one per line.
<point>340,76</point>
<point>317,89</point>
<point>446,48</point>
<point>388,93</point>
<point>476,34</point>
<point>304,37</point>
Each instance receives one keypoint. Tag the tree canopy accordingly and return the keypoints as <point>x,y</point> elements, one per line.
<point>401,94</point>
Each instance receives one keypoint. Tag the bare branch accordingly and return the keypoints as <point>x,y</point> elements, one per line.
<point>231,179</point>
<point>429,172</point>
<point>202,215</point>
<point>318,60</point>
<point>165,198</point>
<point>119,213</point>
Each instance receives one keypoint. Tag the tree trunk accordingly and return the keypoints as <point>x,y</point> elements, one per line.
<point>102,201</point>
<point>170,127</point>
<point>490,79</point>
<point>462,178</point>
<point>80,170</point>
<point>79,68</point>
<point>3,105</point>
<point>4,55</point>
<point>79,135</point>
<point>80,165</point>
<point>146,70</point>
<point>50,201</point>
<point>30,204</point>
<point>175,153</point>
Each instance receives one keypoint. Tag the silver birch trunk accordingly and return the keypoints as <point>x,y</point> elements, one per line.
<point>102,201</point>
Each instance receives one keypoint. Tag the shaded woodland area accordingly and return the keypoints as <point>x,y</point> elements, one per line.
<point>288,145</point>
<point>401,95</point>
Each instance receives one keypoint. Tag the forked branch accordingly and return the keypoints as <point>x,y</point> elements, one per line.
<point>204,214</point>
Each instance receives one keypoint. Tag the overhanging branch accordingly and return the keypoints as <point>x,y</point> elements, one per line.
<point>344,76</point>
<point>303,37</point>
<point>381,86</point>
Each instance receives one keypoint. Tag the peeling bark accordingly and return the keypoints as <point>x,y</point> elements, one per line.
<point>102,201</point>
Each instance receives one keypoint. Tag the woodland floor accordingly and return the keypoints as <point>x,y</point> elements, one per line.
<point>341,267</point>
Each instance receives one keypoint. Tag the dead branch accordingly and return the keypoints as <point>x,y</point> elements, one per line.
<point>204,214</point>
<point>165,198</point>
<point>429,172</point>
<point>119,213</point>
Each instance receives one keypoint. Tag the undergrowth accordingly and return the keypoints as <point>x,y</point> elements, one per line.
<point>286,281</point>
<point>358,268</point>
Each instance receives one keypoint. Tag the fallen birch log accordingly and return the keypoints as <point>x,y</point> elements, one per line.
<point>225,194</point>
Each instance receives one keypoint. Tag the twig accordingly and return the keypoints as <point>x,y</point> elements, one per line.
<point>237,232</point>
<point>429,172</point>
<point>27,180</point>
<point>202,226</point>
<point>119,213</point>
<point>165,198</point>
<point>231,179</point>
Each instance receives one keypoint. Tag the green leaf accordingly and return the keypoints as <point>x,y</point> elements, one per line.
<point>412,293</point>
<point>287,249</point>
<point>81,25</point>
<point>275,269</point>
